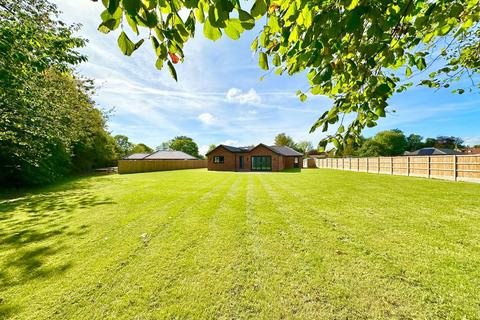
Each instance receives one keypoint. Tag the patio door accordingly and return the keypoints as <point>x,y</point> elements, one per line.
<point>240,159</point>
<point>261,163</point>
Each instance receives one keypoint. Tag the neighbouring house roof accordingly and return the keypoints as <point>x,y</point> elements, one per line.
<point>169,155</point>
<point>283,151</point>
<point>136,156</point>
<point>472,151</point>
<point>432,152</point>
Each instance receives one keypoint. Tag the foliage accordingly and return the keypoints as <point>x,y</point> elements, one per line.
<point>48,121</point>
<point>185,144</point>
<point>304,147</point>
<point>358,53</point>
<point>123,146</point>
<point>141,148</point>
<point>449,142</point>
<point>384,143</point>
<point>282,140</point>
<point>414,142</point>
<point>371,148</point>
<point>193,244</point>
<point>163,147</point>
<point>211,147</point>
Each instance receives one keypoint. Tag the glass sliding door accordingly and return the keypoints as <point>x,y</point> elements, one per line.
<point>261,163</point>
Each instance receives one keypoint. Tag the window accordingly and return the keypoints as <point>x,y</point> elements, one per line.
<point>261,163</point>
<point>218,159</point>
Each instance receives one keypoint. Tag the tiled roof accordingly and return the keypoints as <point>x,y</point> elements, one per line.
<point>169,155</point>
<point>136,156</point>
<point>284,151</point>
<point>432,152</point>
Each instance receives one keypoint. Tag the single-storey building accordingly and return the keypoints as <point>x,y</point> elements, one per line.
<point>257,158</point>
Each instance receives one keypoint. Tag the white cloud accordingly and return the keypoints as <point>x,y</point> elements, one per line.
<point>471,140</point>
<point>252,111</point>
<point>237,95</point>
<point>233,143</point>
<point>207,118</point>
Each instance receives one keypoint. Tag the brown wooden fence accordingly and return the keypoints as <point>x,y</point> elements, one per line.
<point>134,166</point>
<point>457,168</point>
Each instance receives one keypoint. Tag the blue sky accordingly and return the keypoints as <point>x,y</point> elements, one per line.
<point>220,98</point>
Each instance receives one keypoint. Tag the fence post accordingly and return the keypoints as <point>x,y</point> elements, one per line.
<point>408,166</point>
<point>428,174</point>
<point>391,165</point>
<point>378,166</point>
<point>358,164</point>
<point>455,167</point>
<point>367,164</point>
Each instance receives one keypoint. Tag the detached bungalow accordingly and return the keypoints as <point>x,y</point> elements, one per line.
<point>432,152</point>
<point>258,158</point>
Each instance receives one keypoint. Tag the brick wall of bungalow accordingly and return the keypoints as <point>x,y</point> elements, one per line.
<point>232,159</point>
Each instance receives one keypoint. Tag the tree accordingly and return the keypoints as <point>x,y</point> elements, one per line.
<point>123,146</point>
<point>384,143</point>
<point>48,121</point>
<point>282,140</point>
<point>185,144</point>
<point>304,147</point>
<point>371,148</point>
<point>211,147</point>
<point>414,142</point>
<point>141,148</point>
<point>163,147</point>
<point>448,142</point>
<point>358,53</point>
<point>430,143</point>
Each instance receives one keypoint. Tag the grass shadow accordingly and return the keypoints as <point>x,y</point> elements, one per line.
<point>33,223</point>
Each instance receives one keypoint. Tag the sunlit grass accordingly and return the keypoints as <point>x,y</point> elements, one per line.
<point>320,244</point>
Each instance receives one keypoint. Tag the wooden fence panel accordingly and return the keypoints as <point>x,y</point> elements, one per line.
<point>459,167</point>
<point>135,166</point>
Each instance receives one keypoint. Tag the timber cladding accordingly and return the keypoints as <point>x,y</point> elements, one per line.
<point>449,167</point>
<point>136,166</point>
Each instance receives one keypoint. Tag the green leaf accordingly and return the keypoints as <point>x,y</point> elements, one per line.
<point>303,97</point>
<point>200,15</point>
<point>233,28</point>
<point>125,44</point>
<point>263,60</point>
<point>254,45</point>
<point>353,4</point>
<point>132,23</point>
<point>138,44</point>
<point>131,6</point>
<point>210,32</point>
<point>408,72</point>
<point>107,26</point>
<point>113,6</point>
<point>276,60</point>
<point>420,63</point>
<point>172,70</point>
<point>382,89</point>
<point>159,64</point>
<point>259,8</point>
<point>247,21</point>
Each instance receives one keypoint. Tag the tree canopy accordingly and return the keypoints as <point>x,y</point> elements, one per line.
<point>357,52</point>
<point>185,144</point>
<point>283,140</point>
<point>49,125</point>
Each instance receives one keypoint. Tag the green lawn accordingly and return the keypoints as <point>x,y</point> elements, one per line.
<point>193,244</point>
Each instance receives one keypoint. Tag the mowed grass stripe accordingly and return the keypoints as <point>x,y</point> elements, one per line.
<point>122,259</point>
